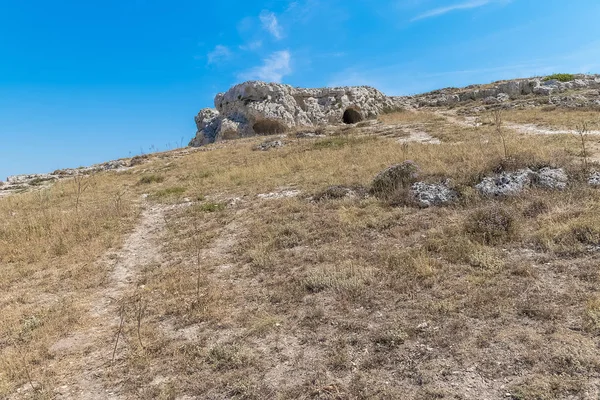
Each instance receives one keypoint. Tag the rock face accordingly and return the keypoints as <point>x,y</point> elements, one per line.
<point>259,108</point>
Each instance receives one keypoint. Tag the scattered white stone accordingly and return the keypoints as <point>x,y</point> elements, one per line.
<point>279,195</point>
<point>264,146</point>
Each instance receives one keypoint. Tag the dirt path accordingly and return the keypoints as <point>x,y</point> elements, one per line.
<point>403,132</point>
<point>90,351</point>
<point>538,130</point>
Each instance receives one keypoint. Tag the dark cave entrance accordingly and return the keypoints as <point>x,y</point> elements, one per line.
<point>268,127</point>
<point>352,116</point>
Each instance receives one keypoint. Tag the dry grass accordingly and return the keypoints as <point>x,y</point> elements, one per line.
<point>48,253</point>
<point>559,118</point>
<point>341,298</point>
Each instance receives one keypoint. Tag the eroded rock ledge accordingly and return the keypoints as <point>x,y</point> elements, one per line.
<point>259,108</point>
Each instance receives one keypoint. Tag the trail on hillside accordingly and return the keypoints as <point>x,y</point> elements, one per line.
<point>533,129</point>
<point>90,351</point>
<point>538,130</point>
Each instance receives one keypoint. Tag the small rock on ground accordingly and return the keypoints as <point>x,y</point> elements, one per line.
<point>594,179</point>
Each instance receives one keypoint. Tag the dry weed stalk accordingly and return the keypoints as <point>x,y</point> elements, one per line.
<point>34,387</point>
<point>405,151</point>
<point>122,320</point>
<point>497,119</point>
<point>140,315</point>
<point>81,185</point>
<point>582,131</point>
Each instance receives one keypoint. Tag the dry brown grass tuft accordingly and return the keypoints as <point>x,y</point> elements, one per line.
<point>491,225</point>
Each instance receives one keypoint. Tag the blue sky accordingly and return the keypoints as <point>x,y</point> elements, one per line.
<point>87,81</point>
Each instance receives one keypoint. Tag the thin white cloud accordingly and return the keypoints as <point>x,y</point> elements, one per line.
<point>436,12</point>
<point>255,45</point>
<point>273,69</point>
<point>270,23</point>
<point>219,54</point>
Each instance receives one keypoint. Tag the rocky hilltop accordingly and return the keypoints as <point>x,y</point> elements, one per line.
<point>577,91</point>
<point>255,107</point>
<point>259,108</point>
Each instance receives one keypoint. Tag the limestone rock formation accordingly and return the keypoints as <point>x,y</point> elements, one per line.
<point>259,108</point>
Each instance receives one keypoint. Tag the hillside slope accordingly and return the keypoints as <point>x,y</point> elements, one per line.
<point>227,272</point>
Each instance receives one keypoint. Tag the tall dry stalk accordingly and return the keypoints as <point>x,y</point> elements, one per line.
<point>582,131</point>
<point>81,185</point>
<point>119,330</point>
<point>497,119</point>
<point>140,315</point>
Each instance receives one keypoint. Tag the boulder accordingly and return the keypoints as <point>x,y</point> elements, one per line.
<point>513,183</point>
<point>260,108</point>
<point>506,183</point>
<point>433,194</point>
<point>551,178</point>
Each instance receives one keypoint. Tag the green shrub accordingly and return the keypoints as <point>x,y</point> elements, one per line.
<point>560,77</point>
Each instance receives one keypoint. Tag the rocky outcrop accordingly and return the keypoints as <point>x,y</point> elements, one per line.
<point>513,183</point>
<point>259,108</point>
<point>504,91</point>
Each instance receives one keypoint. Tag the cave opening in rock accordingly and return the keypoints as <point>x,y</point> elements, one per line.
<point>352,116</point>
<point>268,127</point>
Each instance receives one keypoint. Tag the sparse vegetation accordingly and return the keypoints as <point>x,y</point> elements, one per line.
<point>149,179</point>
<point>560,77</point>
<point>174,191</point>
